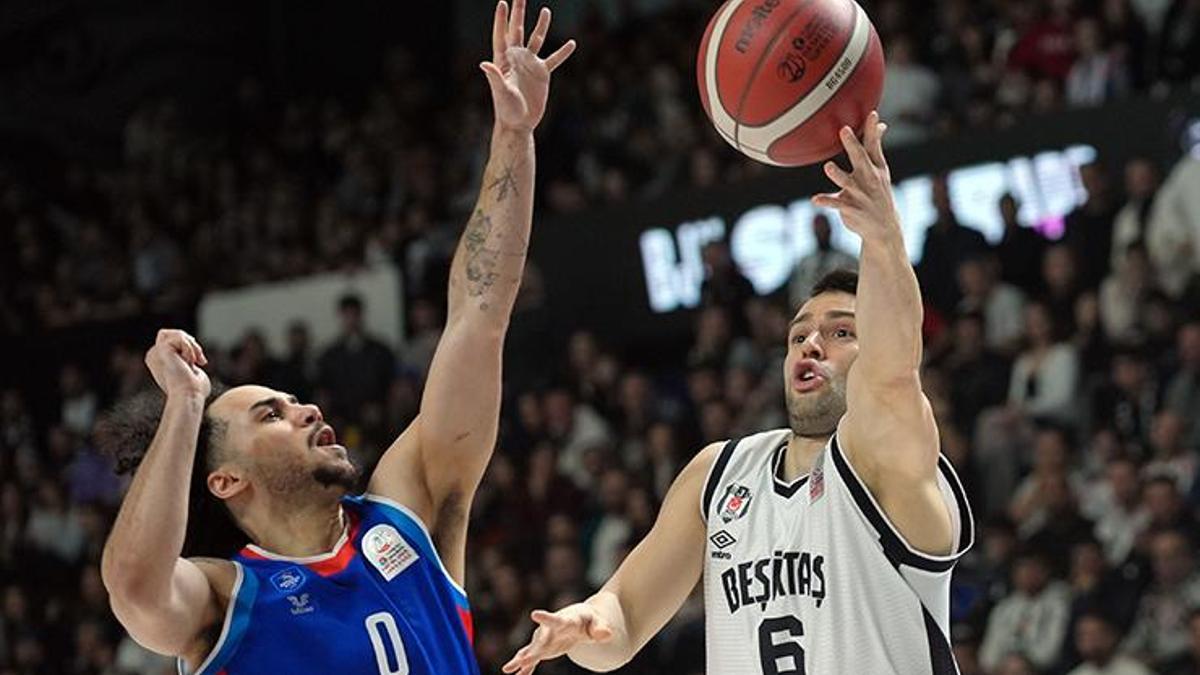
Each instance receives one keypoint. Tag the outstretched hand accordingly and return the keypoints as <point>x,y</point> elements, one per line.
<point>557,634</point>
<point>865,200</point>
<point>518,77</point>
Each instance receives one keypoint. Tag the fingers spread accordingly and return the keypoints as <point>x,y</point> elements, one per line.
<point>499,28</point>
<point>558,57</point>
<point>855,150</point>
<point>538,37</point>
<point>839,177</point>
<point>516,24</point>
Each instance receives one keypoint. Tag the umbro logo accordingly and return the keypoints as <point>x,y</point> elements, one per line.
<point>722,540</point>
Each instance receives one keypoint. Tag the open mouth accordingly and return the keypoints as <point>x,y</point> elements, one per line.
<point>808,376</point>
<point>323,436</point>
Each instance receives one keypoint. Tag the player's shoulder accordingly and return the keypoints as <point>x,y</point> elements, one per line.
<point>221,574</point>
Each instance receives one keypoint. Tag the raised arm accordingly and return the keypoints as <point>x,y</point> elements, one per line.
<point>163,600</point>
<point>649,587</point>
<point>436,465</point>
<point>889,433</point>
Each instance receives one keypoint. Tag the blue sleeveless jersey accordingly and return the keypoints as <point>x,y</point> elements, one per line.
<point>380,603</point>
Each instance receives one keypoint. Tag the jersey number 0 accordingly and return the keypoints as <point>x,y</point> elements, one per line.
<point>775,652</point>
<point>384,632</point>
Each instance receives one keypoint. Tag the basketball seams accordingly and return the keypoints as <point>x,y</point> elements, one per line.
<point>849,78</point>
<point>803,111</point>
<point>748,84</point>
<point>720,115</point>
<point>801,96</point>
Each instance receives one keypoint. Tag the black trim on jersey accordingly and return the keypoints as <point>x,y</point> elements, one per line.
<point>941,657</point>
<point>893,546</point>
<point>714,476</point>
<point>782,487</point>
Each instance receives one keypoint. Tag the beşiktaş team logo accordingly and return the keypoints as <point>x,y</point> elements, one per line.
<point>735,502</point>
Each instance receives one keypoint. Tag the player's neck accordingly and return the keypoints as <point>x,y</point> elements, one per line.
<point>801,453</point>
<point>297,531</point>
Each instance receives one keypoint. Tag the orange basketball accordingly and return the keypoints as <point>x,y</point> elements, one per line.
<point>779,78</point>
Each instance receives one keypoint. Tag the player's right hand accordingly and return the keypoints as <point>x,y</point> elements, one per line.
<point>175,361</point>
<point>559,633</point>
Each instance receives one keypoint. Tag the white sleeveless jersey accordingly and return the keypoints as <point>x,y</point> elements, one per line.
<point>810,577</point>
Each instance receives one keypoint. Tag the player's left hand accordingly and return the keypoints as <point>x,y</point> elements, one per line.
<point>865,200</point>
<point>519,78</point>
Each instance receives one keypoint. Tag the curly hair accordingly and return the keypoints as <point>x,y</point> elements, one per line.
<point>125,434</point>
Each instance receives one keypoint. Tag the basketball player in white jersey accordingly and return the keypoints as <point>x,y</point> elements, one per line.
<point>825,548</point>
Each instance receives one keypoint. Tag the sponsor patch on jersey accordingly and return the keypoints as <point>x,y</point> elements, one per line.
<point>735,502</point>
<point>722,540</point>
<point>288,580</point>
<point>301,604</point>
<point>385,549</point>
<point>816,485</point>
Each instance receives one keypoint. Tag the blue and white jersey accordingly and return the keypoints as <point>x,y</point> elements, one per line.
<point>380,603</point>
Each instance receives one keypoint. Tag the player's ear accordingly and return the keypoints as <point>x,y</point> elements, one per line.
<point>226,482</point>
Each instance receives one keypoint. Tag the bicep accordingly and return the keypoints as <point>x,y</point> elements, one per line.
<point>460,408</point>
<point>171,625</point>
<point>659,574</point>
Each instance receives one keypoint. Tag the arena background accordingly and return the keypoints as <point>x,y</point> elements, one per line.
<point>193,164</point>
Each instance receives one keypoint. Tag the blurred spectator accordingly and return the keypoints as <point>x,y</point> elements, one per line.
<point>1159,632</point>
<point>1123,296</point>
<point>1020,249</point>
<point>1183,388</point>
<point>425,331</point>
<point>978,375</point>
<point>613,529</point>
<point>1120,519</point>
<point>1098,74</point>
<point>1127,401</point>
<point>296,372</point>
<point>947,245</point>
<point>724,284</point>
<point>1046,49</point>
<point>1168,456</point>
<point>79,402</point>
<point>356,368</point>
<point>1131,222</point>
<point>1046,373</point>
<point>1002,305</point>
<point>576,429</point>
<point>1173,235</point>
<point>815,265</point>
<point>1089,228</point>
<point>1096,640</point>
<point>1189,663</point>
<point>1032,621</point>
<point>910,93</point>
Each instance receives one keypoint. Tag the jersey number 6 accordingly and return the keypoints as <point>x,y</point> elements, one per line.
<point>772,653</point>
<point>382,629</point>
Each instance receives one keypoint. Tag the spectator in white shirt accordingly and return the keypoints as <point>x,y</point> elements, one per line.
<point>1117,510</point>
<point>1044,378</point>
<point>1129,226</point>
<point>1096,640</point>
<point>1123,296</point>
<point>1097,75</point>
<point>1001,304</point>
<point>910,93</point>
<point>1159,631</point>
<point>1032,620</point>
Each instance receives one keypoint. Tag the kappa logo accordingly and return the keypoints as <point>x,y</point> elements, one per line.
<point>290,579</point>
<point>385,549</point>
<point>301,604</point>
<point>735,503</point>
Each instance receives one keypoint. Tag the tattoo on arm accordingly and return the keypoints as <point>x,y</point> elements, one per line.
<point>505,185</point>
<point>480,260</point>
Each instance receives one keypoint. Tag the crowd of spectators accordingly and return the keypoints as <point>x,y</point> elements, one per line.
<point>1065,375</point>
<point>287,187</point>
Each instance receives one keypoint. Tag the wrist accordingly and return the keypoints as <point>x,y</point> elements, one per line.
<point>502,132</point>
<point>187,399</point>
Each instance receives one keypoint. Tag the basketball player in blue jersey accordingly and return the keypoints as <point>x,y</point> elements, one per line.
<point>824,548</point>
<point>334,583</point>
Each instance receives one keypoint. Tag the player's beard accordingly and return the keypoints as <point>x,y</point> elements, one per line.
<point>816,414</point>
<point>297,480</point>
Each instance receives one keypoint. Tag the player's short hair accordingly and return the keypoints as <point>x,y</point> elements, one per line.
<point>842,281</point>
<point>124,434</point>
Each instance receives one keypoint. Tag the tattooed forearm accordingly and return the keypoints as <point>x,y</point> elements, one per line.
<point>480,259</point>
<point>505,185</point>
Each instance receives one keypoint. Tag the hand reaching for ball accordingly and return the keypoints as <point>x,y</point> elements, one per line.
<point>519,78</point>
<point>865,200</point>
